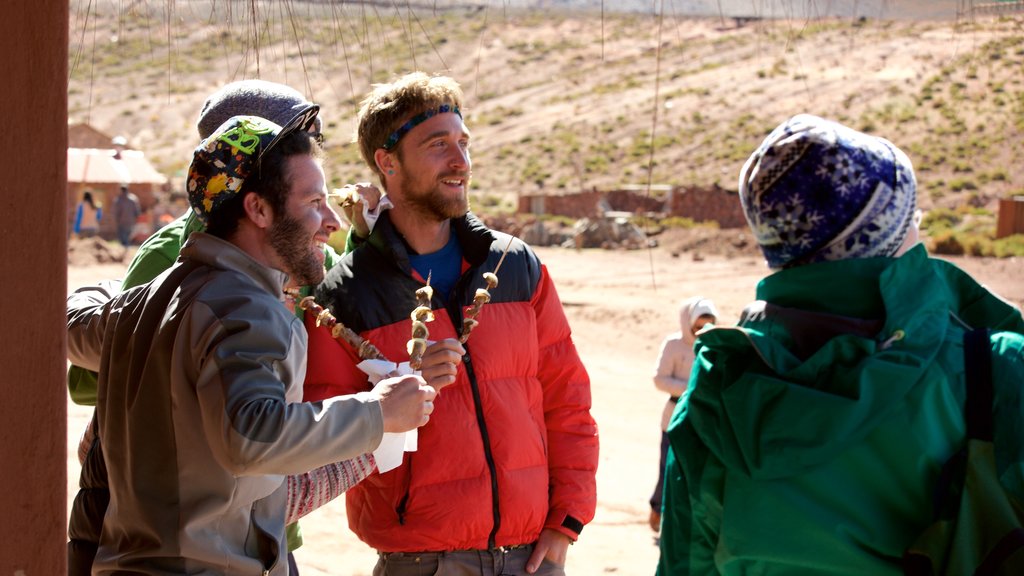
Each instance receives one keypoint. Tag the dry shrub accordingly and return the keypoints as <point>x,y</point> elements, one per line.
<point>947,243</point>
<point>1009,246</point>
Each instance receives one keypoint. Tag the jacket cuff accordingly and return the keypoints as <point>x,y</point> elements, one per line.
<point>564,523</point>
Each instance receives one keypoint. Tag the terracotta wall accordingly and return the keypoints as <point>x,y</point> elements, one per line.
<point>700,204</point>
<point>708,204</point>
<point>33,271</point>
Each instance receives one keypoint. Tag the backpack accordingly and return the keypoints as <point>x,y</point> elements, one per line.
<point>976,528</point>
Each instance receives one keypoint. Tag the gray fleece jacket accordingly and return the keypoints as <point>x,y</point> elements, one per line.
<point>198,407</point>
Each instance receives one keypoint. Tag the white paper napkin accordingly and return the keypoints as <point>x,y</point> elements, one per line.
<point>394,444</point>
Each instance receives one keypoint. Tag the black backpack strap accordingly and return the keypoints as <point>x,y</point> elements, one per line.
<point>978,384</point>
<point>978,411</point>
<point>1002,557</point>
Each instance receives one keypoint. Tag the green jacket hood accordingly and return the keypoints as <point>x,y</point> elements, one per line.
<point>758,406</point>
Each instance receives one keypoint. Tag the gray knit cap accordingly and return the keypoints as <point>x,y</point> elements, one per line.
<point>275,102</point>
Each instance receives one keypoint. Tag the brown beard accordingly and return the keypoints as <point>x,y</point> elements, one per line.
<point>435,206</point>
<point>287,238</point>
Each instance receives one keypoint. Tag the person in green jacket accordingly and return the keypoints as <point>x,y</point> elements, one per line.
<point>812,433</point>
<point>270,100</point>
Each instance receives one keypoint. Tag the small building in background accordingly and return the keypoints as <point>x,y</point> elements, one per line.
<point>700,204</point>
<point>101,164</point>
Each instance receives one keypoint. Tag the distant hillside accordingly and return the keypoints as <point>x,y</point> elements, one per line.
<point>563,102</point>
<point>791,9</point>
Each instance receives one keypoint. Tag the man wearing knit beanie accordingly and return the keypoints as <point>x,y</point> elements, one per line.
<point>813,433</point>
<point>275,102</point>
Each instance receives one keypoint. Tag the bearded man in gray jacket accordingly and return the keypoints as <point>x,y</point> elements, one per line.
<point>205,439</point>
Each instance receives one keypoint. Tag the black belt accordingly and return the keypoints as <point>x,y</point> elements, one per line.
<point>427,554</point>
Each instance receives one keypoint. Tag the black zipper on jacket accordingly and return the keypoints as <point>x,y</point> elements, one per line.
<point>455,313</point>
<point>401,508</point>
<point>467,361</point>
<point>403,503</point>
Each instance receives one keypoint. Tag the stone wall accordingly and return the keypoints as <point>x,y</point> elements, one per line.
<point>712,204</point>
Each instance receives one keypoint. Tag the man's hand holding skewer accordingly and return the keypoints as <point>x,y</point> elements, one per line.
<point>440,362</point>
<point>405,401</point>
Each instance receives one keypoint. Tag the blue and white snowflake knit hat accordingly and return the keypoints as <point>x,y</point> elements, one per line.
<point>816,190</point>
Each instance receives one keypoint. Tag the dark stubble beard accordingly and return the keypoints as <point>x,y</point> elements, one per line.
<point>289,240</point>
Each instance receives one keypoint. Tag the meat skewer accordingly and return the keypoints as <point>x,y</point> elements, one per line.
<point>363,347</point>
<point>422,314</point>
<point>482,296</point>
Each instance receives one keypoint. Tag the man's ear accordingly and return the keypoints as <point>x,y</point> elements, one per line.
<point>385,161</point>
<point>258,210</point>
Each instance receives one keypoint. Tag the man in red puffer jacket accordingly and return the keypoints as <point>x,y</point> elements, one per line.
<point>504,476</point>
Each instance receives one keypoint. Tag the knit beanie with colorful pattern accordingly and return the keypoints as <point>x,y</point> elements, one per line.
<point>816,190</point>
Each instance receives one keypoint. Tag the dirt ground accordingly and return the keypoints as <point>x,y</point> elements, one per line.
<point>620,305</point>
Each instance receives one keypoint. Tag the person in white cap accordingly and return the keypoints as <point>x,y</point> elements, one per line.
<point>126,213</point>
<point>672,376</point>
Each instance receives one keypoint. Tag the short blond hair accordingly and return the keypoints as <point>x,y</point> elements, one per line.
<point>389,106</point>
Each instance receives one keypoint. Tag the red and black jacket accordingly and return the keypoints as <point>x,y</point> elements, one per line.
<point>511,447</point>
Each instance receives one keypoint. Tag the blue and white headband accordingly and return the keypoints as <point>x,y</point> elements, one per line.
<point>416,120</point>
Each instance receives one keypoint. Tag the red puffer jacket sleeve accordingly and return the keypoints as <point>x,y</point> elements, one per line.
<point>572,432</point>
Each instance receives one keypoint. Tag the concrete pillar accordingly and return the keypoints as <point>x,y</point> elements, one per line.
<point>33,279</point>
